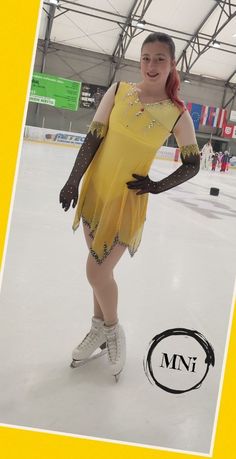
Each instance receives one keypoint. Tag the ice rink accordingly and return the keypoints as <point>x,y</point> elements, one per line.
<point>182,276</point>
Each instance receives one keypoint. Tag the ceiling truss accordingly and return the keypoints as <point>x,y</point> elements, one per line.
<point>199,43</point>
<point>129,31</point>
<point>227,11</point>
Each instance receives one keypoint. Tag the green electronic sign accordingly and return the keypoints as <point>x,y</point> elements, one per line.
<point>55,91</point>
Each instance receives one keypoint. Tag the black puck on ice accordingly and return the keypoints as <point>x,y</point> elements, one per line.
<point>214,191</point>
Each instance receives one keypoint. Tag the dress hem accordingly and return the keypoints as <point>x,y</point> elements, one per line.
<point>116,241</point>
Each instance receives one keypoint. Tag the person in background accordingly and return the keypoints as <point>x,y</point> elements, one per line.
<point>228,163</point>
<point>206,154</point>
<point>214,161</point>
<point>224,161</point>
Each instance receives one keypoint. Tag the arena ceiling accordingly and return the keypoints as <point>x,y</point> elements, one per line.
<point>204,31</point>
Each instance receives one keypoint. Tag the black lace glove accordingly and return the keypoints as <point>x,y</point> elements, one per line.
<point>69,193</point>
<point>190,166</point>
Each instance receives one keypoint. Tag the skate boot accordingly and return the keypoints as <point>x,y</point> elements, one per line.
<point>116,348</point>
<point>94,340</point>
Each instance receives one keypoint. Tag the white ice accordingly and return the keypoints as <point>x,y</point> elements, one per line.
<point>182,276</point>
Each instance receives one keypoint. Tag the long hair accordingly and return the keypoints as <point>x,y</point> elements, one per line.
<point>173,80</point>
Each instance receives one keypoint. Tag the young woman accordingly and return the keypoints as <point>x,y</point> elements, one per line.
<point>131,123</point>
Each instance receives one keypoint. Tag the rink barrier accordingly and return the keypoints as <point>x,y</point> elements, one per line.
<point>45,142</point>
<point>75,140</point>
<point>168,153</point>
<point>53,136</point>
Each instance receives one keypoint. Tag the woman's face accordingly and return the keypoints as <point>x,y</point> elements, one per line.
<point>156,62</point>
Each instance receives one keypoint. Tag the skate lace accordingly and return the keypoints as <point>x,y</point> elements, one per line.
<point>88,340</point>
<point>113,348</point>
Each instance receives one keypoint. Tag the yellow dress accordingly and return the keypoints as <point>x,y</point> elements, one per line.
<point>114,213</point>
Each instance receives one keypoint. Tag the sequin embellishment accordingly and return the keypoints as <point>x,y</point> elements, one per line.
<point>133,97</point>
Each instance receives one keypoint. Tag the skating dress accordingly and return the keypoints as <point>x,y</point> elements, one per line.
<point>114,213</point>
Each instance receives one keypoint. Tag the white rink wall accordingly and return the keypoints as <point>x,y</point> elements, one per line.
<point>40,134</point>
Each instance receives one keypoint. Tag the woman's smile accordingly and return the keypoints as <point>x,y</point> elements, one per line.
<point>152,75</point>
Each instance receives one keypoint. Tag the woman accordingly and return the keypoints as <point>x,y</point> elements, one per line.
<point>207,152</point>
<point>131,123</point>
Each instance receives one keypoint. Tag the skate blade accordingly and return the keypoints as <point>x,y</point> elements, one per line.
<point>117,376</point>
<point>80,363</point>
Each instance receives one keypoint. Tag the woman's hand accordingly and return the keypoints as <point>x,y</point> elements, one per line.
<point>142,183</point>
<point>68,194</point>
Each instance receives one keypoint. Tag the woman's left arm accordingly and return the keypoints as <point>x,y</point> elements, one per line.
<point>190,157</point>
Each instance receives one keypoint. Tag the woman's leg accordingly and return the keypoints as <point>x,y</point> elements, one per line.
<point>97,310</point>
<point>103,283</point>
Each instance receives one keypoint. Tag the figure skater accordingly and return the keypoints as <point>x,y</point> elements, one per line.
<point>131,123</point>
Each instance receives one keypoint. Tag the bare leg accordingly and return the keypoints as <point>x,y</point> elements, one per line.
<point>97,310</point>
<point>103,283</point>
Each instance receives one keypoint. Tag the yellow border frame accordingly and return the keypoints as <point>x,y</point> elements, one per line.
<point>18,44</point>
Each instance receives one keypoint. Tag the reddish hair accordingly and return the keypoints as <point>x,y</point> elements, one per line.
<point>172,88</point>
<point>173,80</point>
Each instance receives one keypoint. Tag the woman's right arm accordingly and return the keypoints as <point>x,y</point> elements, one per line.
<point>88,149</point>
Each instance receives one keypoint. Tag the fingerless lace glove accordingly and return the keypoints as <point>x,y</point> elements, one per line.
<point>92,141</point>
<point>190,158</point>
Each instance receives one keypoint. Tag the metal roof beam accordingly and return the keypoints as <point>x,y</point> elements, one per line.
<point>50,18</point>
<point>223,1</point>
<point>60,14</point>
<point>183,55</point>
<point>121,20</point>
<point>129,31</point>
<point>230,100</point>
<point>194,43</point>
<point>88,8</point>
<point>198,43</point>
<point>45,11</point>
<point>230,77</point>
<point>51,14</point>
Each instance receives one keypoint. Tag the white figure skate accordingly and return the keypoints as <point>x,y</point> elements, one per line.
<point>116,348</point>
<point>94,340</point>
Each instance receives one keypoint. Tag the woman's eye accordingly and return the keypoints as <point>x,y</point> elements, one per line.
<point>147,59</point>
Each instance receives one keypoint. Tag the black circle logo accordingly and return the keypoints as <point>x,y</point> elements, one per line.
<point>178,360</point>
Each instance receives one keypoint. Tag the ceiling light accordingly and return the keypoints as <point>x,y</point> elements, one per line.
<point>139,24</point>
<point>234,35</point>
<point>216,44</point>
